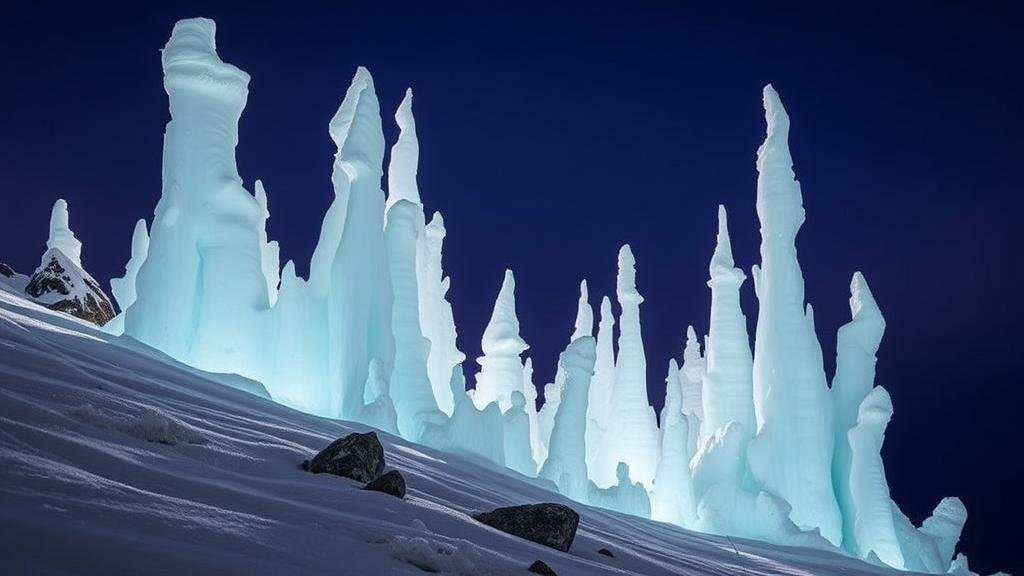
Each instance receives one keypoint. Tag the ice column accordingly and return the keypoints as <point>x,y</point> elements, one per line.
<point>601,385</point>
<point>61,237</point>
<point>728,381</point>
<point>856,344</point>
<point>635,440</point>
<point>691,377</point>
<point>123,288</point>
<point>673,487</point>
<point>566,464</point>
<point>501,370</point>
<point>436,316</point>
<point>870,514</point>
<point>410,387</point>
<point>202,282</point>
<point>360,299</point>
<point>792,453</point>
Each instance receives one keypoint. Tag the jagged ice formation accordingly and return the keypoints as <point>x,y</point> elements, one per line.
<point>751,444</point>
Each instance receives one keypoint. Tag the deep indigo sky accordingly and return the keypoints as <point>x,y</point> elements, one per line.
<point>552,135</point>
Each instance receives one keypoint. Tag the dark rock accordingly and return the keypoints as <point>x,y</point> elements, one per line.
<point>305,465</point>
<point>356,456</point>
<point>391,483</point>
<point>539,567</point>
<point>606,552</point>
<point>553,525</point>
<point>85,300</point>
<point>6,270</point>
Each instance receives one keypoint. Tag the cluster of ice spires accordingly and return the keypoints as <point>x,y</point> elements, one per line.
<point>751,443</point>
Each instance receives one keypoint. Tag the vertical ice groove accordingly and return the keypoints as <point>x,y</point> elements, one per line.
<point>792,453</point>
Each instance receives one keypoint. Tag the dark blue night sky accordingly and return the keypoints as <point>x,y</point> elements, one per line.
<point>552,135</point>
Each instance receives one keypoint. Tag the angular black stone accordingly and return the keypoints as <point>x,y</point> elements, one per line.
<point>356,456</point>
<point>390,483</point>
<point>553,525</point>
<point>606,552</point>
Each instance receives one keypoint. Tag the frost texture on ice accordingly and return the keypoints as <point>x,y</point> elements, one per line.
<point>752,442</point>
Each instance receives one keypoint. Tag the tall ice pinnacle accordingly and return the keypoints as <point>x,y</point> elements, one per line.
<point>360,300</point>
<point>501,370</point>
<point>728,381</point>
<point>61,237</point>
<point>601,385</point>
<point>691,377</point>
<point>436,317</point>
<point>792,453</point>
<point>584,315</point>
<point>202,282</point>
<point>635,441</point>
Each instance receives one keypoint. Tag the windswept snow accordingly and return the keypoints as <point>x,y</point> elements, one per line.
<point>95,487</point>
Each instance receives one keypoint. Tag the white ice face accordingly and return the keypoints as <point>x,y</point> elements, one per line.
<point>752,443</point>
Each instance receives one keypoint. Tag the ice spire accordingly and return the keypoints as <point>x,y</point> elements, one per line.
<point>566,464</point>
<point>270,252</point>
<point>601,385</point>
<point>405,156</point>
<point>202,281</point>
<point>856,346</point>
<point>584,315</point>
<point>728,381</point>
<point>436,316</point>
<point>359,305</point>
<point>501,370</point>
<point>61,237</point>
<point>673,499</point>
<point>870,515</point>
<point>636,439</point>
<point>792,453</point>
<point>691,377</point>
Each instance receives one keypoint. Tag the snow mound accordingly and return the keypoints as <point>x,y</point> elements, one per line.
<point>432,555</point>
<point>150,425</point>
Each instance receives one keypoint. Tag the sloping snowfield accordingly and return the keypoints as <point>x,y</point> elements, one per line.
<point>116,460</point>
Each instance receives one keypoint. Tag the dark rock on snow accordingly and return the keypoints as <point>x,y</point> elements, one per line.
<point>391,483</point>
<point>6,270</point>
<point>539,567</point>
<point>356,456</point>
<point>553,525</point>
<point>62,286</point>
<point>606,552</point>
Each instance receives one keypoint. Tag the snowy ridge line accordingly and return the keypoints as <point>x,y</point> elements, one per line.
<point>754,442</point>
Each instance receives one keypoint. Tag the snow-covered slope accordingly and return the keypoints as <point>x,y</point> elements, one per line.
<point>115,459</point>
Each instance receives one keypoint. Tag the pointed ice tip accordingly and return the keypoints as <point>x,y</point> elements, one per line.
<point>691,334</point>
<point>509,279</point>
<point>606,307</point>
<point>626,253</point>
<point>583,289</point>
<point>774,112</point>
<point>862,301</point>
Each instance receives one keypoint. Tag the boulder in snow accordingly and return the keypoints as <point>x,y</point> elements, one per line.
<point>539,567</point>
<point>356,456</point>
<point>391,483</point>
<point>553,525</point>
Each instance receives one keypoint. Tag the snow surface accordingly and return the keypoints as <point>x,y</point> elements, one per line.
<point>89,478</point>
